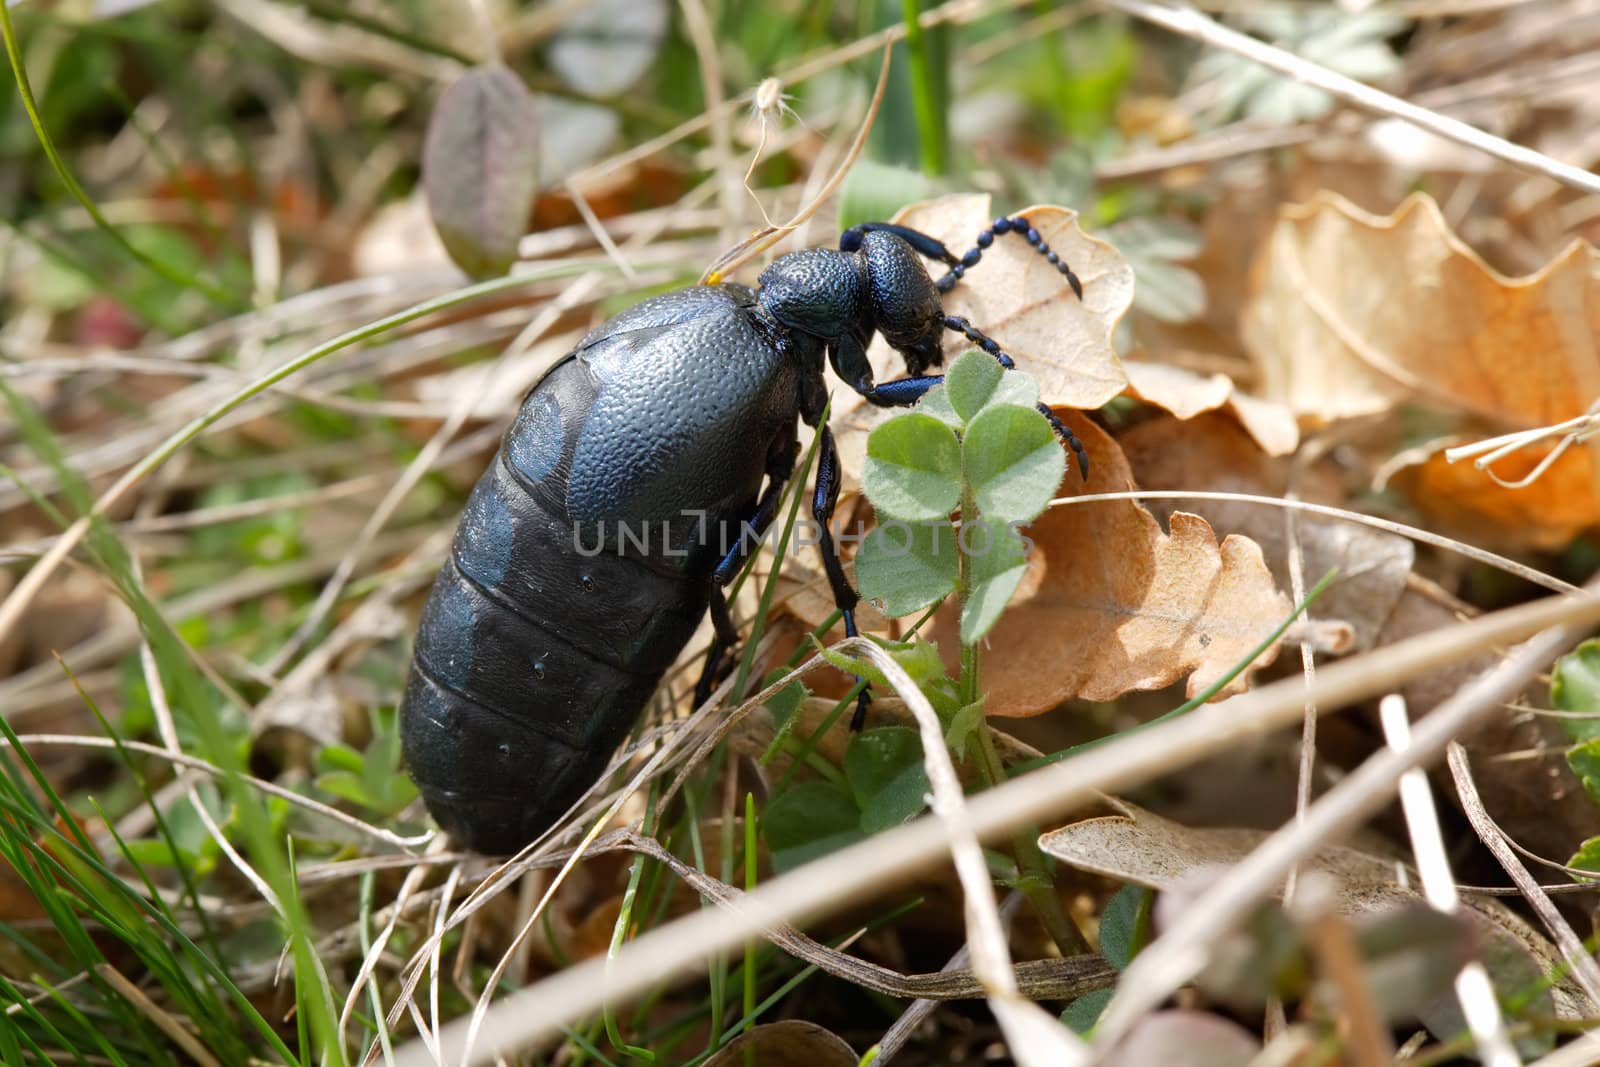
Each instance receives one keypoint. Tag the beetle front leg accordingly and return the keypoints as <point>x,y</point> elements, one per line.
<point>823,501</point>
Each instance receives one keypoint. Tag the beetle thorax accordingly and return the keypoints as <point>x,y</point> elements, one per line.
<point>883,287</point>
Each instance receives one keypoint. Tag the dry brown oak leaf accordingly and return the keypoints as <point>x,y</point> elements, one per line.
<point>1111,603</point>
<point>1017,297</point>
<point>1353,313</point>
<point>1188,394</point>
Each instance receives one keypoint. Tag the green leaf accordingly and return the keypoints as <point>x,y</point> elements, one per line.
<point>1124,926</point>
<point>1013,461</point>
<point>786,701</point>
<point>480,168</point>
<point>976,381</point>
<point>1016,387</point>
<point>156,852</point>
<point>937,403</point>
<point>913,469</point>
<point>346,786</point>
<point>998,561</point>
<point>963,724</point>
<point>1155,248</point>
<point>907,568</point>
<point>885,772</point>
<point>1585,763</point>
<point>1575,687</point>
<point>1083,1013</point>
<point>1588,856</point>
<point>340,757</point>
<point>809,820</point>
<point>873,191</point>
<point>919,659</point>
<point>971,381</point>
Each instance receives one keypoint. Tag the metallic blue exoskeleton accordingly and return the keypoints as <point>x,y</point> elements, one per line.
<point>626,495</point>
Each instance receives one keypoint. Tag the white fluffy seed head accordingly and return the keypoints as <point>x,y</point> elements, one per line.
<point>770,99</point>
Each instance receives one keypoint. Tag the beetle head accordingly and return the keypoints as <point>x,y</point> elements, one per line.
<point>905,303</point>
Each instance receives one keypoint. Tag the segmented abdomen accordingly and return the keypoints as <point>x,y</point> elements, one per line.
<point>534,657</point>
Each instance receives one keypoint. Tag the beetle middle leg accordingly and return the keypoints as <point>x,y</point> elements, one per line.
<point>823,500</point>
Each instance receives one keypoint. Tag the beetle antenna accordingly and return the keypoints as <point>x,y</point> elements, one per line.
<point>1021,228</point>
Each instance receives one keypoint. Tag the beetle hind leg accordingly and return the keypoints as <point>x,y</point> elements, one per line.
<point>751,532</point>
<point>726,639</point>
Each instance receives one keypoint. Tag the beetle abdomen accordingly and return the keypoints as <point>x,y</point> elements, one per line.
<point>536,652</point>
<point>583,561</point>
<point>532,664</point>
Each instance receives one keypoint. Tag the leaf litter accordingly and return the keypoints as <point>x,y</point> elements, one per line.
<point>1373,340</point>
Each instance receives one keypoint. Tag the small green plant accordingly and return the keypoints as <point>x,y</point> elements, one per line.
<point>1575,689</point>
<point>977,444</point>
<point>371,779</point>
<point>976,447</point>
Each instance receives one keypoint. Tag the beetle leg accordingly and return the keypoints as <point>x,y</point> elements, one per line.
<point>850,363</point>
<point>1003,225</point>
<point>779,468</point>
<point>845,598</point>
<point>902,392</point>
<point>725,639</point>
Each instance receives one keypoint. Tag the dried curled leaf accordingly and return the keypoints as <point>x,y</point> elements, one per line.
<point>1545,514</point>
<point>1353,313</point>
<point>1112,604</point>
<point>1209,452</point>
<point>1141,847</point>
<point>1187,394</point>
<point>1022,301</point>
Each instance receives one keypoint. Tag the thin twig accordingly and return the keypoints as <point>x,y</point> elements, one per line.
<point>1175,958</point>
<point>1584,968</point>
<point>1192,23</point>
<point>194,763</point>
<point>1473,989</point>
<point>163,1020</point>
<point>1427,537</point>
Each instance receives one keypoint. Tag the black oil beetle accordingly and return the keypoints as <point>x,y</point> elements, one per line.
<point>639,475</point>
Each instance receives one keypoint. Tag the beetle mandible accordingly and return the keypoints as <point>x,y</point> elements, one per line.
<point>592,547</point>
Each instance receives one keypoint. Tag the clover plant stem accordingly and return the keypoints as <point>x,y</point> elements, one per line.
<point>1034,881</point>
<point>1034,877</point>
